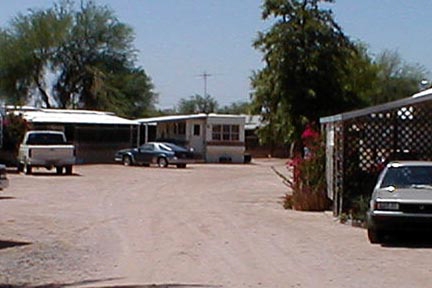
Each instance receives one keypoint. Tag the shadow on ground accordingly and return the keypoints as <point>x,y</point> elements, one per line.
<point>89,282</point>
<point>9,244</point>
<point>408,240</point>
<point>52,174</point>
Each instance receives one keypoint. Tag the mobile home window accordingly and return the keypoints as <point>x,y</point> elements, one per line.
<point>226,133</point>
<point>235,132</point>
<point>181,128</point>
<point>216,132</point>
<point>196,130</point>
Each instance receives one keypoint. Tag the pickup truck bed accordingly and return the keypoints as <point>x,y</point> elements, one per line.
<point>44,149</point>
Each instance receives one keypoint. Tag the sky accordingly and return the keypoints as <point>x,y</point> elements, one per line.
<point>180,40</point>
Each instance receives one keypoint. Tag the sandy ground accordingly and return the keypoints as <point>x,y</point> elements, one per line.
<point>204,226</point>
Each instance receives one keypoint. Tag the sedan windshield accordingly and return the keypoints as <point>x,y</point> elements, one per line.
<point>408,176</point>
<point>172,147</point>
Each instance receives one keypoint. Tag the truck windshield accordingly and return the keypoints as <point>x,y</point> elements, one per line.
<point>45,139</point>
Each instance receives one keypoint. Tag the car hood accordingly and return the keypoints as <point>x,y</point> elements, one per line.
<point>406,194</point>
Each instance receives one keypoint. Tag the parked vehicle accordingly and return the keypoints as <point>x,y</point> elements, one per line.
<point>47,149</point>
<point>160,153</point>
<point>4,181</point>
<point>401,200</point>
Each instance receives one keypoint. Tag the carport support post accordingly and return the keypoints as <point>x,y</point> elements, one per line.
<point>138,135</point>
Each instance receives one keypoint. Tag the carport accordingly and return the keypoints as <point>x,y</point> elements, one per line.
<point>358,143</point>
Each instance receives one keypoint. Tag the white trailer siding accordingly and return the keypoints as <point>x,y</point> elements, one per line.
<point>225,138</point>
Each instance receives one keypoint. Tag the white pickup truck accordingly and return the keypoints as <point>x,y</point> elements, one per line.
<point>47,149</point>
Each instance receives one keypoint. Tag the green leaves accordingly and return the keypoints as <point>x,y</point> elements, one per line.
<point>68,58</point>
<point>197,104</point>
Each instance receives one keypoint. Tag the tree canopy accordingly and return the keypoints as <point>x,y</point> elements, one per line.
<point>307,62</point>
<point>197,104</point>
<point>312,69</point>
<point>72,57</point>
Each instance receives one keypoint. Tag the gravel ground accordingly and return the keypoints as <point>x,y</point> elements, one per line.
<point>204,226</point>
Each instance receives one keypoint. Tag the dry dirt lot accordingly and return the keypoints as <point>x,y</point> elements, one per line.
<point>204,226</point>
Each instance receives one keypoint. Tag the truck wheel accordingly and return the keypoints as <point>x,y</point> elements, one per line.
<point>59,170</point>
<point>27,169</point>
<point>69,170</point>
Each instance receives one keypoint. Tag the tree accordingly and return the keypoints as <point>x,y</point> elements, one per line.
<point>239,107</point>
<point>27,47</point>
<point>396,78</point>
<point>197,104</point>
<point>307,65</point>
<point>87,54</point>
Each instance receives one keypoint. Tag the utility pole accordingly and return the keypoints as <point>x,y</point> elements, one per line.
<point>205,75</point>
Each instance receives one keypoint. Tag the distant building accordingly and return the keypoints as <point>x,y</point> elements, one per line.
<point>96,135</point>
<point>215,137</point>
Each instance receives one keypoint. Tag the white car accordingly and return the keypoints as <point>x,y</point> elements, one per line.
<point>4,181</point>
<point>401,200</point>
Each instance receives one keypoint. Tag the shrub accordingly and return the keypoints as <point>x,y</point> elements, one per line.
<point>14,128</point>
<point>308,183</point>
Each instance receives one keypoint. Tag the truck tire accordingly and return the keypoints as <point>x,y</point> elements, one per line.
<point>27,169</point>
<point>59,170</point>
<point>69,170</point>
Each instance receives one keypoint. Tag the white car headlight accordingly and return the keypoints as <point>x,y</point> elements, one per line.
<point>387,206</point>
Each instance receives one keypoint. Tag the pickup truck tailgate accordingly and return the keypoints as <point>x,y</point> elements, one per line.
<point>51,154</point>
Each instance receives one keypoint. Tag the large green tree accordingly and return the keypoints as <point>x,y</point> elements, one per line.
<point>239,107</point>
<point>308,61</point>
<point>197,104</point>
<point>396,78</point>
<point>74,58</point>
<point>26,50</point>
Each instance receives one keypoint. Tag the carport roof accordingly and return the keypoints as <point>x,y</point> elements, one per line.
<point>64,116</point>
<point>183,117</point>
<point>422,96</point>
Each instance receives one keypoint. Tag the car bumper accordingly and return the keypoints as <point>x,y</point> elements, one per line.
<point>176,160</point>
<point>398,221</point>
<point>51,162</point>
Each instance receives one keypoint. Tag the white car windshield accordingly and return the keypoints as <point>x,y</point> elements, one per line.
<point>408,176</point>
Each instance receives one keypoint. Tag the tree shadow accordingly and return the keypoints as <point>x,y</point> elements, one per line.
<point>6,198</point>
<point>89,282</point>
<point>9,244</point>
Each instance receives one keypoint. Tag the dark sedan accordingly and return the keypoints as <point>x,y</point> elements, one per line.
<point>160,153</point>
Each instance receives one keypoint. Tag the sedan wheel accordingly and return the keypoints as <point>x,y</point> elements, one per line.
<point>127,160</point>
<point>162,162</point>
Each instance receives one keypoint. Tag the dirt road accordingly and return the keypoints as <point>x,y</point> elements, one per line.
<point>204,226</point>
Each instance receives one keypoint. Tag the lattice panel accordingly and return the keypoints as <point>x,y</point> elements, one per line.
<point>370,141</point>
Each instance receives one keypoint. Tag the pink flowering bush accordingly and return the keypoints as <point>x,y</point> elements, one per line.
<point>308,175</point>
